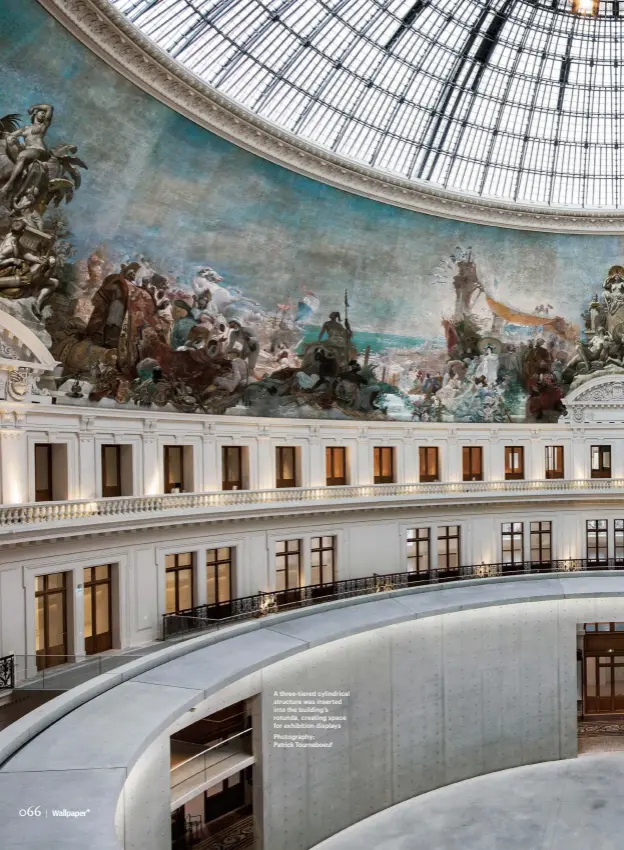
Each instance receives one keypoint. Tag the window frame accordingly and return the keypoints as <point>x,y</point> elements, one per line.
<point>379,452</point>
<point>512,534</point>
<point>332,480</point>
<point>176,569</point>
<point>214,564</point>
<point>295,549</point>
<point>321,548</point>
<point>469,452</point>
<point>600,470</point>
<point>228,483</point>
<point>513,454</point>
<point>447,538</point>
<point>420,537</point>
<point>280,482</point>
<point>424,455</point>
<point>552,471</point>
<point>599,533</point>
<point>538,534</point>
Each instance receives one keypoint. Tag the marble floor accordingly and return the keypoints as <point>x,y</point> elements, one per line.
<point>577,804</point>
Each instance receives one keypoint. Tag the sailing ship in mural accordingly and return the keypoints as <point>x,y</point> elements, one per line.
<point>127,332</point>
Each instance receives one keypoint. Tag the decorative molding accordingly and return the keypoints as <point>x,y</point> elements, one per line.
<point>596,400</point>
<point>114,39</point>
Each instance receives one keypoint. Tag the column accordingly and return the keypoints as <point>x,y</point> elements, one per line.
<point>152,466</point>
<point>14,467</point>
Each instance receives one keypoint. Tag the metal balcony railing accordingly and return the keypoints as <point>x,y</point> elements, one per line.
<point>206,617</point>
<point>128,507</point>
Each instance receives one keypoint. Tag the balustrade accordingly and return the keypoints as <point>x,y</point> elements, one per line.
<point>38,513</point>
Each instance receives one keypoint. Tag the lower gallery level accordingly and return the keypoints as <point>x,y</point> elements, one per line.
<point>63,600</point>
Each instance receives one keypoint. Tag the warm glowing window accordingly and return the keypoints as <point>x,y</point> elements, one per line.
<point>383,458</point>
<point>514,463</point>
<point>429,458</point>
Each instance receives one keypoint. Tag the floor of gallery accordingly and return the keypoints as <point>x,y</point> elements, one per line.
<point>563,805</point>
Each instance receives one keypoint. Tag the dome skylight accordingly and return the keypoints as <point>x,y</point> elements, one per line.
<point>513,99</point>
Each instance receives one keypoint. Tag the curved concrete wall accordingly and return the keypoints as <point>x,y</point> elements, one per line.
<point>446,683</point>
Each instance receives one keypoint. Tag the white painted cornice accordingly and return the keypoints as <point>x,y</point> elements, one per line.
<point>119,43</point>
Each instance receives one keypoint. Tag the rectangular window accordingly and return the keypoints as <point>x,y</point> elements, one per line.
<point>323,560</point>
<point>98,610</point>
<point>601,461</point>
<point>597,544</point>
<point>111,471</point>
<point>50,472</point>
<point>179,582</point>
<point>541,543</point>
<point>43,472</point>
<point>514,463</point>
<point>448,548</point>
<point>513,542</point>
<point>618,541</point>
<point>285,466</point>
<point>219,563</point>
<point>232,461</point>
<point>51,619</point>
<point>429,457</point>
<point>335,466</point>
<point>472,463</point>
<point>174,469</point>
<point>418,550</point>
<point>287,565</point>
<point>554,462</point>
<point>383,464</point>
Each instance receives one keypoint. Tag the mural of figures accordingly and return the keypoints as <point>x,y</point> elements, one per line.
<point>166,268</point>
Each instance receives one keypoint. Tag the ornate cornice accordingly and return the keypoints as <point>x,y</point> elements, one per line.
<point>119,43</point>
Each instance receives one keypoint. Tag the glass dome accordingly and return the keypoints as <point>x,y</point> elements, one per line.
<point>514,99</point>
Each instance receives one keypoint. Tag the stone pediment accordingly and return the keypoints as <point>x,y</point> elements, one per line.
<point>23,360</point>
<point>597,399</point>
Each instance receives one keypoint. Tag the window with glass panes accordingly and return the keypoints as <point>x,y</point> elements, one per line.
<point>472,463</point>
<point>448,547</point>
<point>601,461</point>
<point>232,462</point>
<point>514,463</point>
<point>335,466</point>
<point>429,457</point>
<point>554,461</point>
<point>418,550</point>
<point>383,463</point>
<point>323,560</point>
<point>285,466</point>
<point>541,534</point>
<point>604,627</point>
<point>219,575</point>
<point>179,582</point>
<point>287,564</point>
<point>618,541</point>
<point>98,612</point>
<point>513,542</point>
<point>597,543</point>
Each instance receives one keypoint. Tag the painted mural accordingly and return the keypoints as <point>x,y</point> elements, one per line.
<point>166,268</point>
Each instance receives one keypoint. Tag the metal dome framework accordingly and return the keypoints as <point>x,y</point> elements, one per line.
<point>513,99</point>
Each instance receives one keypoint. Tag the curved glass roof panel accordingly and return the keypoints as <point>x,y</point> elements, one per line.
<point>514,99</point>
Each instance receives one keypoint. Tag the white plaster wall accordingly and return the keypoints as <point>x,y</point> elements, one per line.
<point>432,702</point>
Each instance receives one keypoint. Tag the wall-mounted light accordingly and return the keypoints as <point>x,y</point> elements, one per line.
<point>585,7</point>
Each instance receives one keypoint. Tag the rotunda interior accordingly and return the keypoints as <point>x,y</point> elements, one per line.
<point>311,424</point>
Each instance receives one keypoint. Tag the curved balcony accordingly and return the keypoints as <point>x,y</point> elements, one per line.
<point>31,519</point>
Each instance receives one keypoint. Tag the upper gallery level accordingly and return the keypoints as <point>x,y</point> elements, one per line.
<point>64,465</point>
